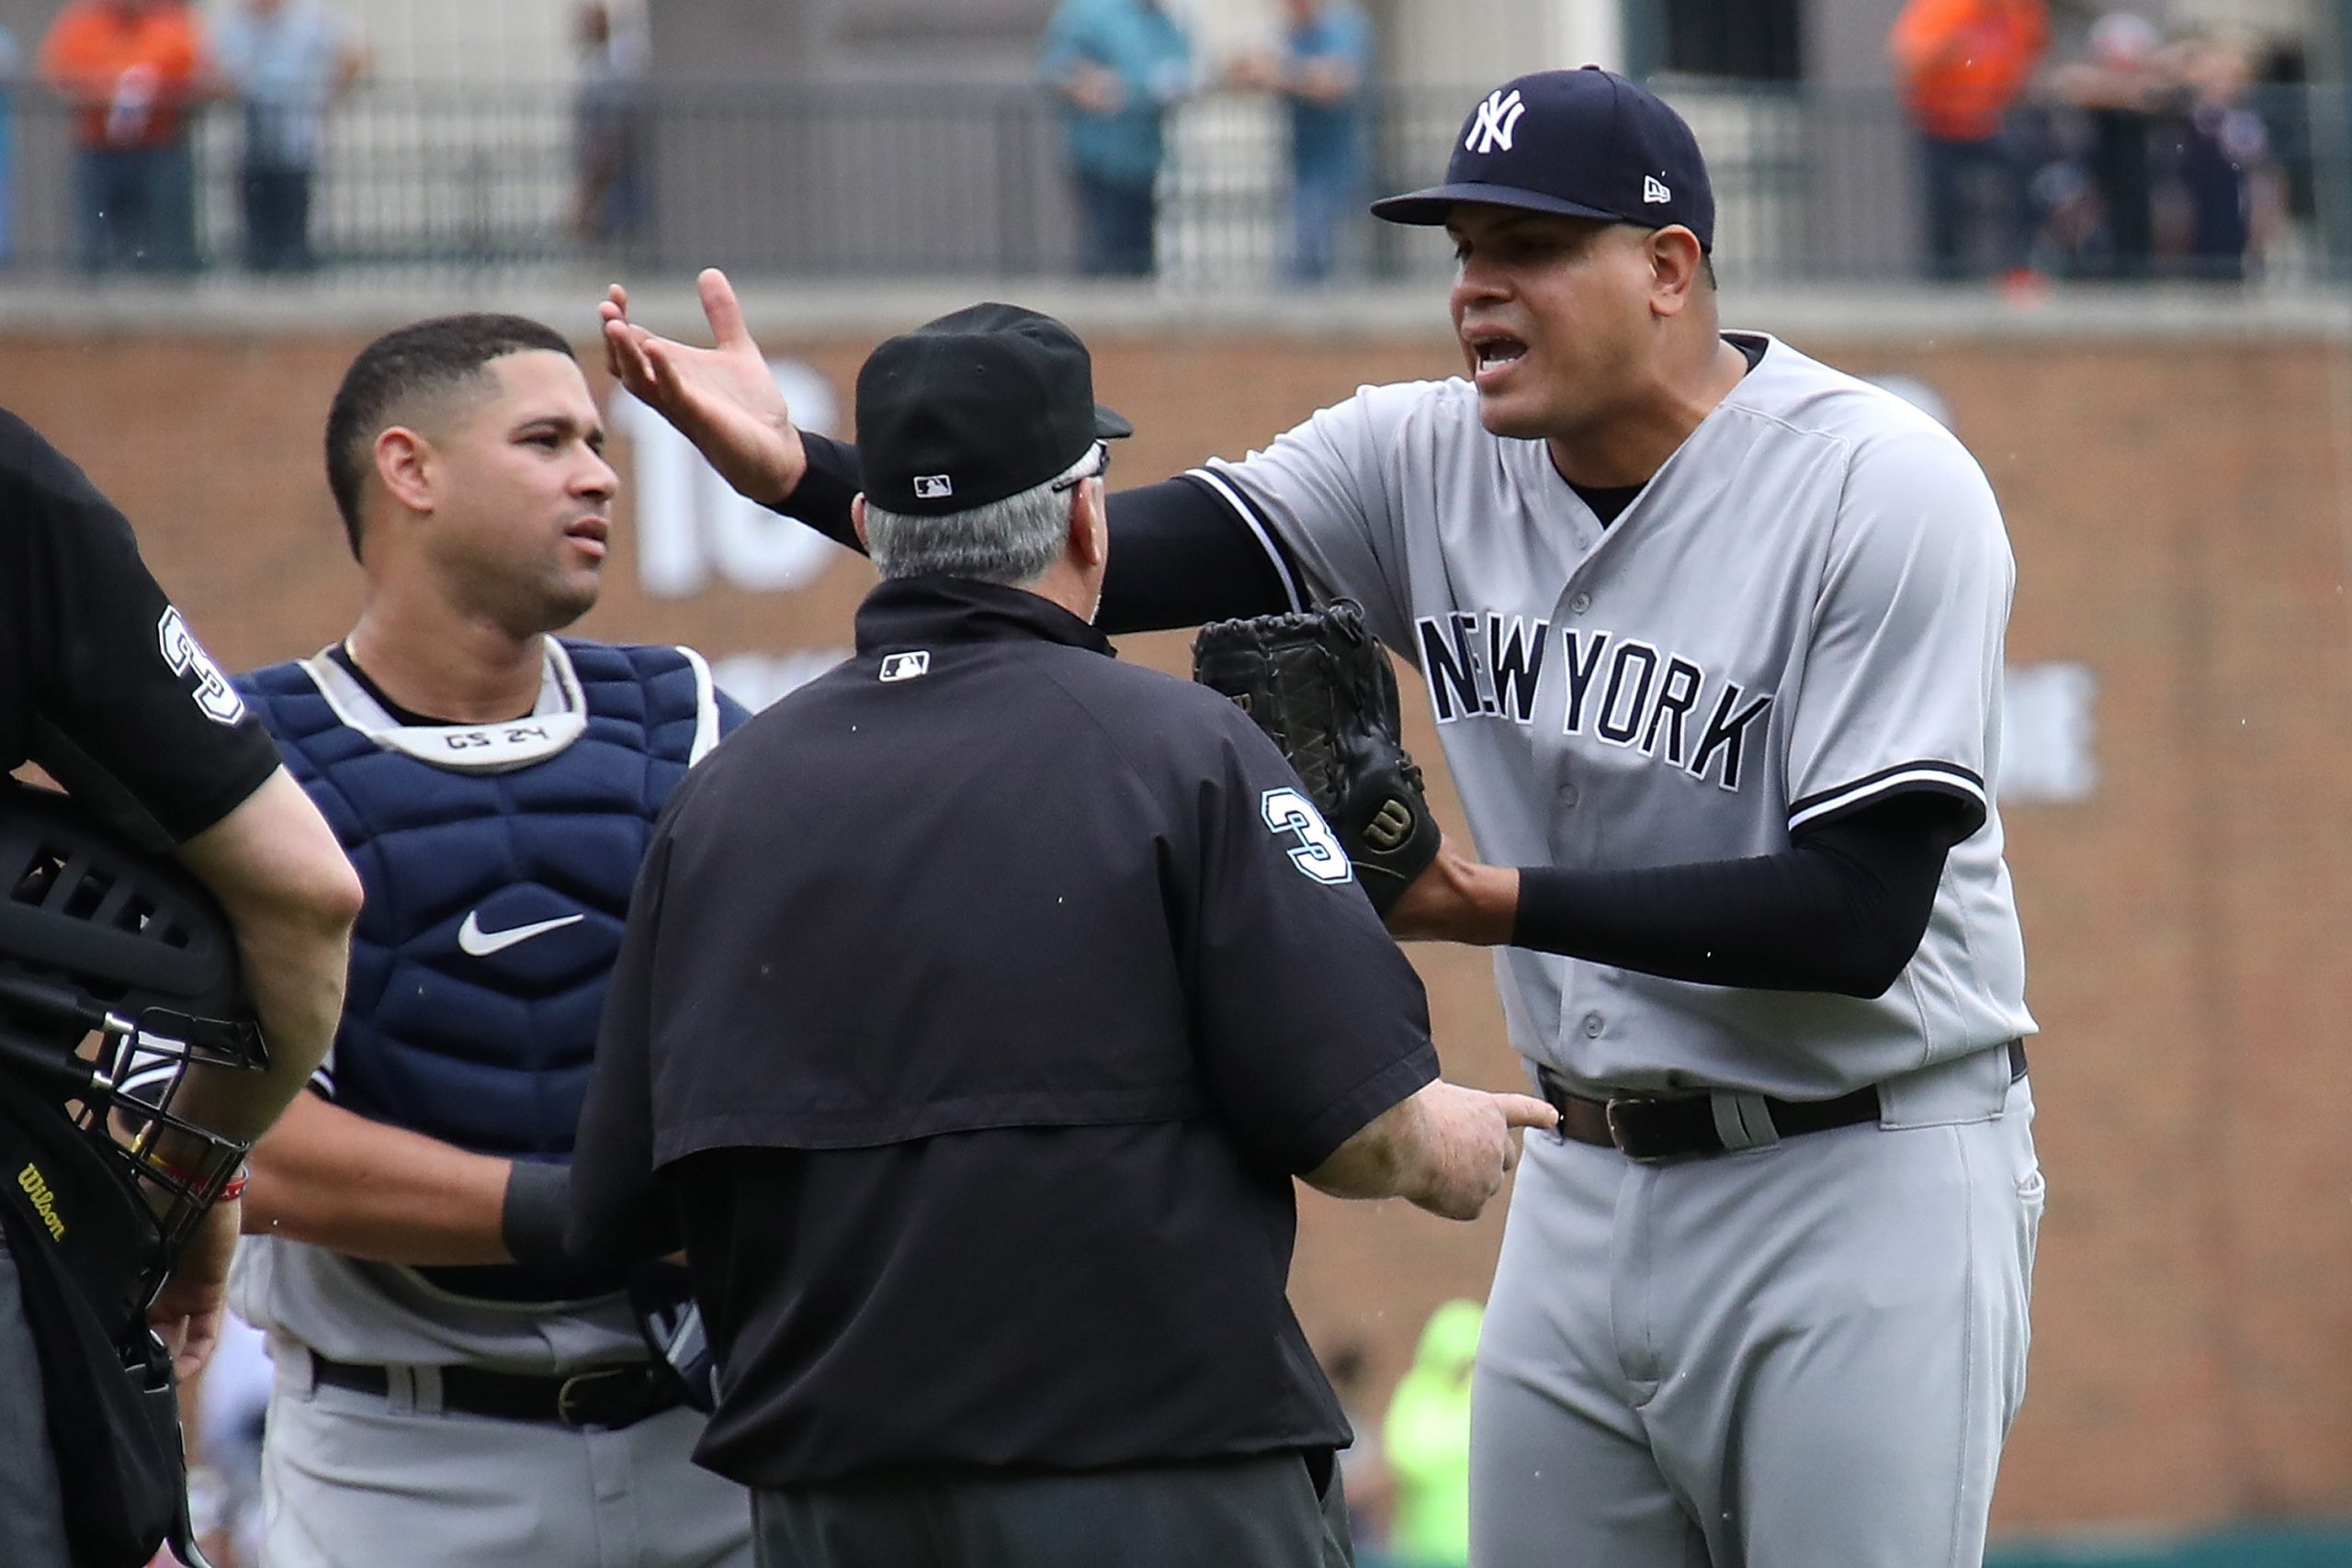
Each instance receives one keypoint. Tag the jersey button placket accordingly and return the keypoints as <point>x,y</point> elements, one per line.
<point>1563,828</point>
<point>1579,602</point>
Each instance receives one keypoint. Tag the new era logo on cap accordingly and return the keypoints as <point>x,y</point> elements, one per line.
<point>933,487</point>
<point>1653,189</point>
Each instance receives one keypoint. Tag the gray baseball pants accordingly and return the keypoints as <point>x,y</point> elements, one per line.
<point>32,1519</point>
<point>355,1480</point>
<point>1794,1356</point>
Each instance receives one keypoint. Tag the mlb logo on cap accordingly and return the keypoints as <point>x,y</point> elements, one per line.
<point>933,487</point>
<point>1585,143</point>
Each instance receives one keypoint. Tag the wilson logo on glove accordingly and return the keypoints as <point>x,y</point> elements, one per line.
<point>1391,827</point>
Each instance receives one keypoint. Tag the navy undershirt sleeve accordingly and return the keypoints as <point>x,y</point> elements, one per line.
<point>1179,556</point>
<point>1842,909</point>
<point>821,498</point>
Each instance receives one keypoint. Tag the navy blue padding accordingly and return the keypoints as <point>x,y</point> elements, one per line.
<point>489,1053</point>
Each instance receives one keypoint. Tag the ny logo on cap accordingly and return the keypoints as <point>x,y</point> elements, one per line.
<point>1653,189</point>
<point>933,487</point>
<point>1497,118</point>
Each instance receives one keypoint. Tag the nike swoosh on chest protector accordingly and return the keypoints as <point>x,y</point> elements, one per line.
<point>480,943</point>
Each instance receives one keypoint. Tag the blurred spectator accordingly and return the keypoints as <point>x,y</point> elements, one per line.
<point>1118,65</point>
<point>285,61</point>
<point>2119,88</point>
<point>1322,70</point>
<point>2175,162</point>
<point>1363,1470</point>
<point>9,61</point>
<point>1961,66</point>
<point>131,69</point>
<point>2224,161</point>
<point>2282,77</point>
<point>1428,1435</point>
<point>608,201</point>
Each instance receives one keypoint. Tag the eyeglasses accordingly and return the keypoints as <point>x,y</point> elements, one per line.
<point>1101,466</point>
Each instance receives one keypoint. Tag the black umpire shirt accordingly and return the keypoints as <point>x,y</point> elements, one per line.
<point>101,683</point>
<point>978,1003</point>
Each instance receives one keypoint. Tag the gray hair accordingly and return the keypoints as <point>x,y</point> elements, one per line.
<point>1010,541</point>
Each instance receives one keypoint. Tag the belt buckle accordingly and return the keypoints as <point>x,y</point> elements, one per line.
<point>1617,1128</point>
<point>578,1386</point>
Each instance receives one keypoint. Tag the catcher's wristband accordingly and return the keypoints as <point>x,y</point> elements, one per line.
<point>192,1180</point>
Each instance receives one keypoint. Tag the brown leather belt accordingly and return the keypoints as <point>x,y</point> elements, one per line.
<point>610,1397</point>
<point>1651,1128</point>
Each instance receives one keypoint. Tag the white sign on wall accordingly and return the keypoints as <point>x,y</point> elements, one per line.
<point>692,526</point>
<point>755,680</point>
<point>2047,735</point>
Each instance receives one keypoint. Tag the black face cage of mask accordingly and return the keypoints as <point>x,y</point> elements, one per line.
<point>119,973</point>
<point>118,1080</point>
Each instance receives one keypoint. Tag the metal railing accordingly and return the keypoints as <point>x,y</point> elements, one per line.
<point>922,180</point>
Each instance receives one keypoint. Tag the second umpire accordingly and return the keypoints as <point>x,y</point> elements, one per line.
<point>978,1004</point>
<point>105,686</point>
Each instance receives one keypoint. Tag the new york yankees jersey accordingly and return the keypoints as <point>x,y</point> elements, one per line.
<point>1802,612</point>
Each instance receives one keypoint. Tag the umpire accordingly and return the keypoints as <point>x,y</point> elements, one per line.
<point>103,684</point>
<point>978,1003</point>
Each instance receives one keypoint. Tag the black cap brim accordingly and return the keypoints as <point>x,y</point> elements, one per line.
<point>1110,423</point>
<point>1433,207</point>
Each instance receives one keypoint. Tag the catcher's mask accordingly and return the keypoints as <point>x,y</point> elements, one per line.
<point>118,972</point>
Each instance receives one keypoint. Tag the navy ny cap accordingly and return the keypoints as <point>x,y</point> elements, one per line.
<point>1588,143</point>
<point>979,405</point>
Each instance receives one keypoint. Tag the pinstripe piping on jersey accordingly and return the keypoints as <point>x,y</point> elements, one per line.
<point>1945,778</point>
<point>1249,515</point>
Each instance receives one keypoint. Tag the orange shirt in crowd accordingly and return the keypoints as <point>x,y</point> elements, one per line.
<point>130,65</point>
<point>1963,62</point>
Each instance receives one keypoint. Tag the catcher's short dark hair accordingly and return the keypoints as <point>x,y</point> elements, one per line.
<point>422,357</point>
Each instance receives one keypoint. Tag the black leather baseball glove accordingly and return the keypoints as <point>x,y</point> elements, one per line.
<point>1321,688</point>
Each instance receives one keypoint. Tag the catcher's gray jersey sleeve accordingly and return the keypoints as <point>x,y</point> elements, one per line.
<point>1902,676</point>
<point>1328,491</point>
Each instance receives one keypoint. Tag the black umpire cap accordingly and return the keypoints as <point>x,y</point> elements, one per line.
<point>1588,143</point>
<point>981,404</point>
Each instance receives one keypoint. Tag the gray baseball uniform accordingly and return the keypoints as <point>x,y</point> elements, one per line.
<point>1810,1350</point>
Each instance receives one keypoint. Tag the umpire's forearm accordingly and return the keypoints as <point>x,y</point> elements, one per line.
<point>1444,1148</point>
<point>290,897</point>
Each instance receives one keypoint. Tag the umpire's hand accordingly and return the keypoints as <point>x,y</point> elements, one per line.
<point>1445,1148</point>
<point>186,1313</point>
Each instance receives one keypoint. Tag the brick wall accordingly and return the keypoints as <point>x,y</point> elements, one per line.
<point>2178,513</point>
